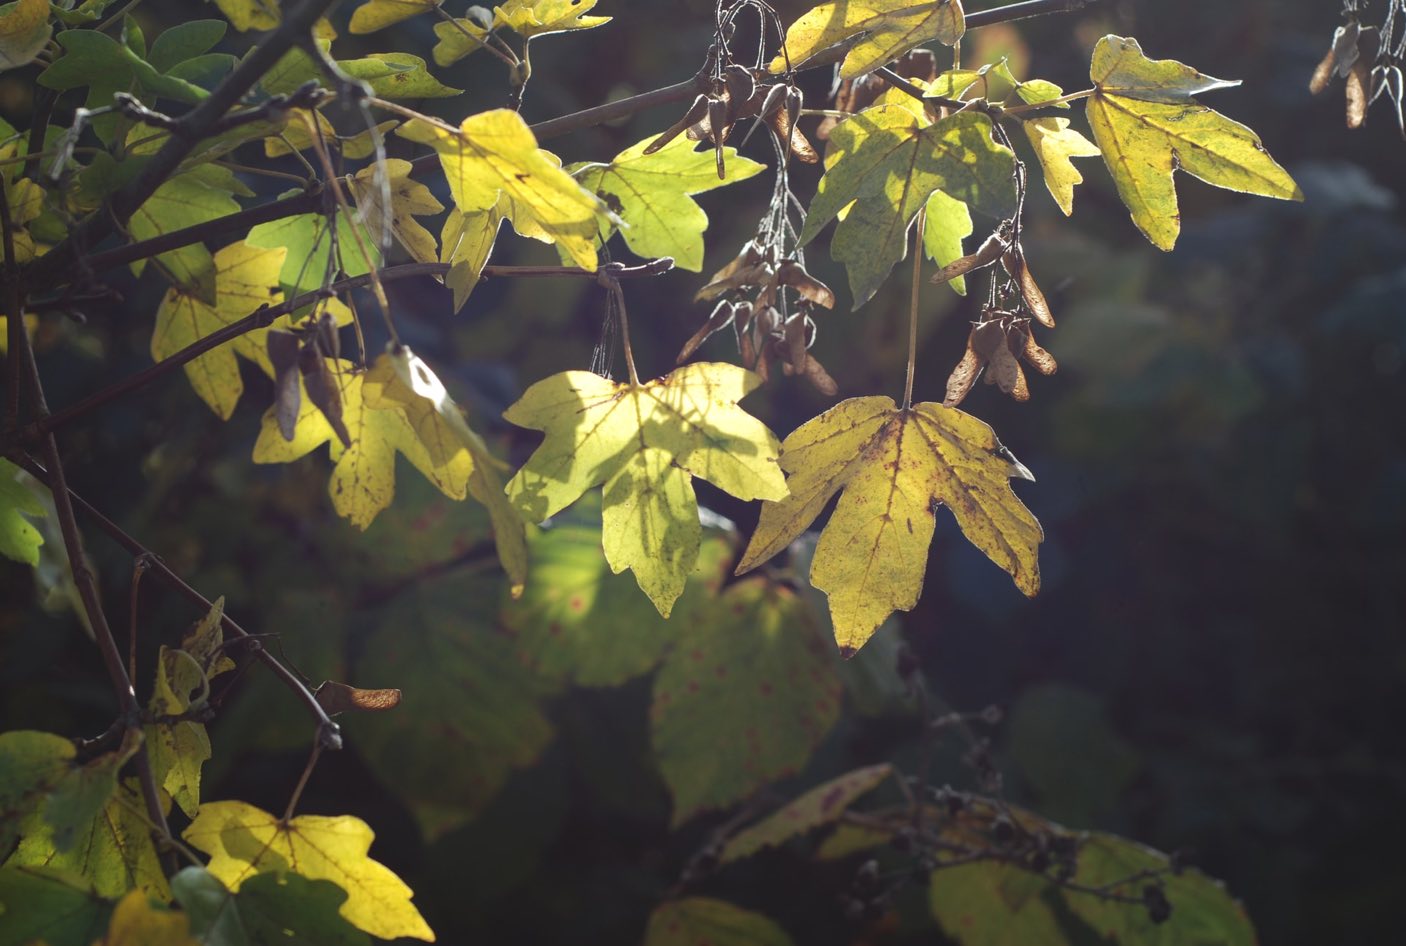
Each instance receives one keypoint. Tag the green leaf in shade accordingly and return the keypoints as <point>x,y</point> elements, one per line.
<point>471,711</point>
<point>821,805</point>
<point>578,621</point>
<point>185,41</point>
<point>269,910</point>
<point>995,904</point>
<point>747,693</point>
<point>184,201</point>
<point>883,165</point>
<point>653,195</point>
<point>60,909</point>
<point>19,539</point>
<point>308,240</point>
<point>698,920</point>
<point>949,222</point>
<point>93,58</point>
<point>1148,126</point>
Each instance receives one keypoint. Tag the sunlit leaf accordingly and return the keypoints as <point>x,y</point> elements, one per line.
<point>645,444</point>
<point>536,17</point>
<point>1148,126</point>
<point>652,195</point>
<point>19,539</point>
<point>185,201</point>
<point>408,199</point>
<point>890,27</point>
<point>1055,144</point>
<point>697,920</point>
<point>949,222</point>
<point>136,921</point>
<point>465,243</point>
<point>251,14</point>
<point>457,38</point>
<point>894,468</point>
<point>883,165</point>
<point>821,805</point>
<point>494,153</point>
<point>747,693</point>
<point>309,240</point>
<point>376,15</point>
<point>243,841</point>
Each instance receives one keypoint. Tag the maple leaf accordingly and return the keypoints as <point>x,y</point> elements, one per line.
<point>24,31</point>
<point>376,15</point>
<point>883,165</point>
<point>645,444</point>
<point>653,194</point>
<point>178,749</point>
<point>696,920</point>
<point>39,905</point>
<point>1147,124</point>
<point>363,480</point>
<point>194,197</point>
<point>891,28</point>
<point>465,243</point>
<point>821,805</point>
<point>19,539</point>
<point>531,18</point>
<point>457,38</point>
<point>949,222</point>
<point>744,697</point>
<point>894,467</point>
<point>136,921</point>
<point>1055,144</point>
<point>495,154</point>
<point>244,841</point>
<point>409,199</point>
<point>251,14</point>
<point>310,241</point>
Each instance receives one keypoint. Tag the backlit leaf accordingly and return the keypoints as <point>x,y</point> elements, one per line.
<point>695,921</point>
<point>653,194</point>
<point>883,165</point>
<point>408,199</point>
<point>891,28</point>
<point>494,153</point>
<point>185,201</point>
<point>19,539</point>
<point>949,222</point>
<point>24,31</point>
<point>376,15</point>
<point>465,243</point>
<point>457,38</point>
<point>536,17</point>
<point>363,480</point>
<point>894,468</point>
<point>1055,144</point>
<point>309,241</point>
<point>821,805</point>
<point>251,14</point>
<point>995,904</point>
<point>644,445</point>
<point>747,693</point>
<point>136,921</point>
<point>243,841</point>
<point>1148,126</point>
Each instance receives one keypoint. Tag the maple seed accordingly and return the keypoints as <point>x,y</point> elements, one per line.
<point>997,345</point>
<point>1014,262</point>
<point>988,253</point>
<point>695,114</point>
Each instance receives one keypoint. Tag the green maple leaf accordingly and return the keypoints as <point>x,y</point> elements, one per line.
<point>1147,124</point>
<point>494,156</point>
<point>890,28</point>
<point>269,908</point>
<point>645,443</point>
<point>949,222</point>
<point>39,904</point>
<point>309,240</point>
<point>894,468</point>
<point>19,539</point>
<point>883,165</point>
<point>193,197</point>
<point>244,841</point>
<point>653,195</point>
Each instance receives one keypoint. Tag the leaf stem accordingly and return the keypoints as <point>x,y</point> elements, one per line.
<point>505,58</point>
<point>918,231</point>
<point>1018,110</point>
<point>302,782</point>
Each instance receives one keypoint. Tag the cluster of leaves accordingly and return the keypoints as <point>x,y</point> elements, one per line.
<point>917,159</point>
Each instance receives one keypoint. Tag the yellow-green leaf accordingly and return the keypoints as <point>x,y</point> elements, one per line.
<point>457,38</point>
<point>894,468</point>
<point>309,242</point>
<point>821,805</point>
<point>697,920</point>
<point>1148,126</point>
<point>402,378</point>
<point>494,153</point>
<point>949,222</point>
<point>137,921</point>
<point>891,28</point>
<point>184,201</point>
<point>19,539</point>
<point>244,841</point>
<point>376,15</point>
<point>652,195</point>
<point>408,199</point>
<point>251,14</point>
<point>1055,144</point>
<point>24,31</point>
<point>246,277</point>
<point>465,243</point>
<point>883,165</point>
<point>536,17</point>
<point>645,444</point>
<point>363,480</point>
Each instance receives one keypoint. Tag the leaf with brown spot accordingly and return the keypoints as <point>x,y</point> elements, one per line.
<point>821,805</point>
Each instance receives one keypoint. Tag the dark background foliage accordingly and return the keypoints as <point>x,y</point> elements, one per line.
<point>1215,662</point>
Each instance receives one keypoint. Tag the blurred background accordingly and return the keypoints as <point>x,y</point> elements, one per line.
<point>1215,663</point>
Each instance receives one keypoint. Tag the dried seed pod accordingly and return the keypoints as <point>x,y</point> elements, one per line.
<point>773,100</point>
<point>783,123</point>
<point>323,390</point>
<point>326,335</point>
<point>720,319</point>
<point>988,253</point>
<point>695,114</point>
<point>793,274</point>
<point>288,394</point>
<point>1357,85</point>
<point>1003,370</point>
<point>1022,342</point>
<point>747,259</point>
<point>719,128</point>
<point>337,698</point>
<point>795,331</point>
<point>819,378</point>
<point>741,87</point>
<point>985,340</point>
<point>1014,262</point>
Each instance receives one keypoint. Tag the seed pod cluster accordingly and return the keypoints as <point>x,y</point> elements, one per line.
<point>303,353</point>
<point>997,345</point>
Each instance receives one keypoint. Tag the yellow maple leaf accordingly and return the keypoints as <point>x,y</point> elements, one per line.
<point>494,154</point>
<point>363,479</point>
<point>136,921</point>
<point>1055,144</point>
<point>251,14</point>
<point>376,15</point>
<point>894,467</point>
<point>465,243</point>
<point>408,198</point>
<point>890,27</point>
<point>244,841</point>
<point>1148,126</point>
<point>645,444</point>
<point>538,17</point>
